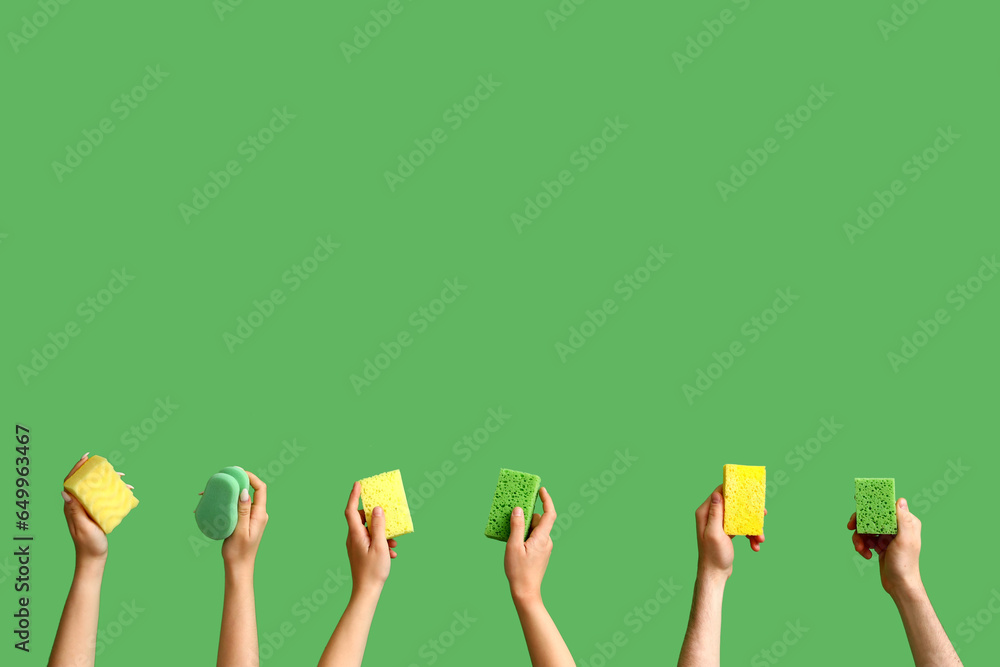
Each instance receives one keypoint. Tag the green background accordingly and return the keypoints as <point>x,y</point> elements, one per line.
<point>323,176</point>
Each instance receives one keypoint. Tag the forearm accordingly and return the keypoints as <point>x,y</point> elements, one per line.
<point>346,647</point>
<point>929,642</point>
<point>704,632</point>
<point>238,645</point>
<point>545,645</point>
<point>76,638</point>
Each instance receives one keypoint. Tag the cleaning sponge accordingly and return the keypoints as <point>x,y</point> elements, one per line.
<point>217,511</point>
<point>743,488</point>
<point>386,491</point>
<point>876,501</point>
<point>101,492</point>
<point>514,489</point>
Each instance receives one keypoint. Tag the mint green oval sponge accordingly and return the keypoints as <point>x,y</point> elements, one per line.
<point>217,512</point>
<point>876,505</point>
<point>514,489</point>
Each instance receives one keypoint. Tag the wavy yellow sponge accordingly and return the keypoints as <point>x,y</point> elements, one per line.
<point>101,492</point>
<point>743,489</point>
<point>386,491</point>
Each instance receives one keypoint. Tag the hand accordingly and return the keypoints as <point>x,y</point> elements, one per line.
<point>239,550</point>
<point>898,555</point>
<point>715,548</point>
<point>370,555</point>
<point>91,542</point>
<point>524,562</point>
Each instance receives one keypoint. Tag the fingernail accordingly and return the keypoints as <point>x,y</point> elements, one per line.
<point>902,503</point>
<point>130,486</point>
<point>518,511</point>
<point>244,496</point>
<point>715,499</point>
<point>85,456</point>
<point>66,496</point>
<point>120,474</point>
<point>377,511</point>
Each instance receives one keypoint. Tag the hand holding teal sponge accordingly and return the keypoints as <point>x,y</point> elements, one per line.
<point>514,489</point>
<point>876,505</point>
<point>217,511</point>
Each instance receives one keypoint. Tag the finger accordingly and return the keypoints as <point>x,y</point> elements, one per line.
<point>859,545</point>
<point>76,466</point>
<point>852,523</point>
<point>201,493</point>
<point>516,527</point>
<point>883,542</point>
<point>906,523</point>
<point>378,530</point>
<point>259,492</point>
<point>548,513</point>
<point>243,507</point>
<point>716,510</point>
<point>354,522</point>
<point>535,520</point>
<point>392,554</point>
<point>392,544</point>
<point>364,519</point>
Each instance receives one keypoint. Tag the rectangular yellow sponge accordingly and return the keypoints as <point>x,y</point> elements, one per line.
<point>743,489</point>
<point>101,492</point>
<point>386,491</point>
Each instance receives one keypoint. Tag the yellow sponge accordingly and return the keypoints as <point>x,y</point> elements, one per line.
<point>101,492</point>
<point>743,489</point>
<point>386,491</point>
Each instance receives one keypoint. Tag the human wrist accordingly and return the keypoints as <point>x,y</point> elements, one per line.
<point>907,591</point>
<point>713,578</point>
<point>526,598</point>
<point>90,566</point>
<point>366,592</point>
<point>238,568</point>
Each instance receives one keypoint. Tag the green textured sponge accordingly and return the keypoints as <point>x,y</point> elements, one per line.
<point>876,501</point>
<point>217,511</point>
<point>514,489</point>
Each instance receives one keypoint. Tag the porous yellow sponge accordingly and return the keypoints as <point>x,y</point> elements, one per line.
<point>386,491</point>
<point>743,489</point>
<point>101,492</point>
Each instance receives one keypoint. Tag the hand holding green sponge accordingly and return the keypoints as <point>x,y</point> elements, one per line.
<point>217,511</point>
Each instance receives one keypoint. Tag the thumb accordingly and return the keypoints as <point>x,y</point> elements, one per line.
<point>243,512</point>
<point>378,529</point>
<point>516,527</point>
<point>715,511</point>
<point>71,507</point>
<point>906,523</point>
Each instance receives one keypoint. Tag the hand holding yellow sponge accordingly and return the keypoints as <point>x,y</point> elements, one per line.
<point>386,491</point>
<point>102,492</point>
<point>743,489</point>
